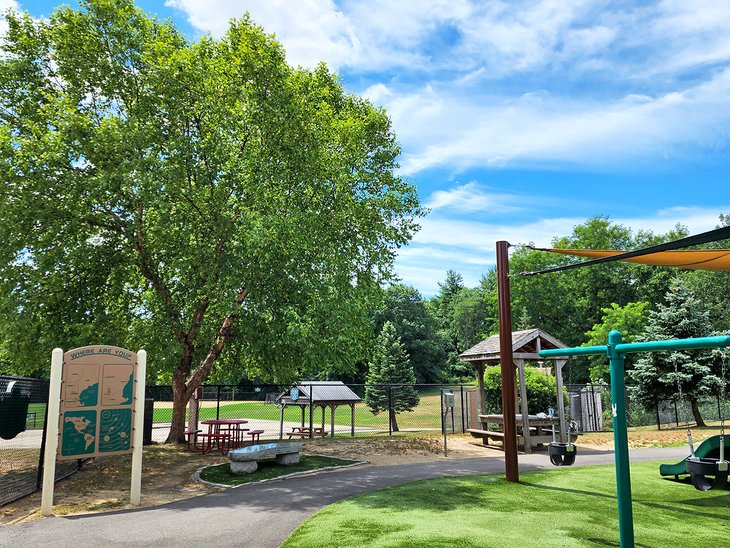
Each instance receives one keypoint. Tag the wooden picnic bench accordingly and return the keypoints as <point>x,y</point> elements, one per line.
<point>303,432</point>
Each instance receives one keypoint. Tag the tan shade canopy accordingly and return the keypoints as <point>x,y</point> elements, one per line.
<point>718,259</point>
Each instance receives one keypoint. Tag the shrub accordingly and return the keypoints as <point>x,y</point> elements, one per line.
<point>541,390</point>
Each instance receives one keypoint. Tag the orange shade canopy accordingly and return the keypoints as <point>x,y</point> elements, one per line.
<point>717,259</point>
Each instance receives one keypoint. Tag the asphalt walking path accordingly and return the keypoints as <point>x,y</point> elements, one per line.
<point>263,515</point>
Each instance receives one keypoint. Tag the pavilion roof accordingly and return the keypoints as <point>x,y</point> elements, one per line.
<point>524,342</point>
<point>321,392</point>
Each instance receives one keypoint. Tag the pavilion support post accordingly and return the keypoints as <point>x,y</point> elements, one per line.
<point>511,467</point>
<point>323,419</point>
<point>564,433</point>
<point>482,391</point>
<point>352,420</point>
<point>523,406</point>
<point>332,414</point>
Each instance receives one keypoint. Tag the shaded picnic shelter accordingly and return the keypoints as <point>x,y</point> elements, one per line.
<point>525,347</point>
<point>313,394</point>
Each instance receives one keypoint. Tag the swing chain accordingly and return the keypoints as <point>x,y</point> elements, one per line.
<point>681,398</point>
<point>722,392</point>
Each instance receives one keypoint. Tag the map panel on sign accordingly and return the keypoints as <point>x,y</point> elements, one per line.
<point>81,386</point>
<point>79,433</point>
<point>117,385</point>
<point>115,430</point>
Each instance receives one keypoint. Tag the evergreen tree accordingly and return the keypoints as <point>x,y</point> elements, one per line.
<point>417,327</point>
<point>682,317</point>
<point>390,366</point>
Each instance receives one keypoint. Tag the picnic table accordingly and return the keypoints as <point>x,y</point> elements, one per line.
<point>540,428</point>
<point>225,434</point>
<point>303,431</point>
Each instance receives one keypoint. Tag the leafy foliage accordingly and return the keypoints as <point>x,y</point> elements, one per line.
<point>630,320</point>
<point>541,389</point>
<point>417,329</point>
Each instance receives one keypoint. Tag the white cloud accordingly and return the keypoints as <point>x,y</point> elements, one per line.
<point>4,6</point>
<point>542,128</point>
<point>471,197</point>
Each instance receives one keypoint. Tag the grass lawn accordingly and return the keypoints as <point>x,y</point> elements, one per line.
<point>268,469</point>
<point>567,507</point>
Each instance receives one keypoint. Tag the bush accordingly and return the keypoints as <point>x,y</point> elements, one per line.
<point>541,390</point>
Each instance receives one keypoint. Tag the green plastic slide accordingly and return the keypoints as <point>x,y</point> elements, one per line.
<point>708,448</point>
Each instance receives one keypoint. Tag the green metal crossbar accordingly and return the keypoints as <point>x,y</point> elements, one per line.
<point>615,352</point>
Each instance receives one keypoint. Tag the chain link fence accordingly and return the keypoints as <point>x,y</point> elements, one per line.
<point>589,407</point>
<point>23,403</point>
<point>393,408</point>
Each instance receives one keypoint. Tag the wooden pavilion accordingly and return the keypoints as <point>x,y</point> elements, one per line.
<point>313,394</point>
<point>525,347</point>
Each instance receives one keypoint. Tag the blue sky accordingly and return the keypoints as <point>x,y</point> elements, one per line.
<point>520,120</point>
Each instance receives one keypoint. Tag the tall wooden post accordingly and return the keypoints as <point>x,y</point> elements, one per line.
<point>511,468</point>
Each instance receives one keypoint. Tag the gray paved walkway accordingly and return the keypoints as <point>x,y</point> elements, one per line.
<point>263,515</point>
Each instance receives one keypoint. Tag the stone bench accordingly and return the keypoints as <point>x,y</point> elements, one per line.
<point>245,460</point>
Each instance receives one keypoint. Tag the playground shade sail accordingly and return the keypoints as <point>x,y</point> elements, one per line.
<point>716,259</point>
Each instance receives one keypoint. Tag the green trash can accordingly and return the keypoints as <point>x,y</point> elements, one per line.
<point>13,411</point>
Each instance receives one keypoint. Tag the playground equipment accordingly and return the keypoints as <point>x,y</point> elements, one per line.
<point>562,453</point>
<point>616,352</point>
<point>709,448</point>
<point>702,466</point>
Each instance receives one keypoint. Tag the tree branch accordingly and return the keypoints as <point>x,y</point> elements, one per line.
<point>150,272</point>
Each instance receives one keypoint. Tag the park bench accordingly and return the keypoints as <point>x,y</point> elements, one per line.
<point>245,460</point>
<point>303,432</point>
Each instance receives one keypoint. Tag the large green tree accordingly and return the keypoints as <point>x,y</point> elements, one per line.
<point>390,377</point>
<point>188,196</point>
<point>658,375</point>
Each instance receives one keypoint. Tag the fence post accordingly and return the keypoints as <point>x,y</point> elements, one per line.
<point>658,419</point>
<point>218,403</point>
<point>390,410</point>
<point>463,423</point>
<point>676,412</point>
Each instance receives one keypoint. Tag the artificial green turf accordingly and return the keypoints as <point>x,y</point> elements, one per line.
<point>563,507</point>
<point>268,469</point>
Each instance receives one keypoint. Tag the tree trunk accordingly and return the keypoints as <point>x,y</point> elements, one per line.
<point>696,412</point>
<point>185,380</point>
<point>180,396</point>
<point>393,423</point>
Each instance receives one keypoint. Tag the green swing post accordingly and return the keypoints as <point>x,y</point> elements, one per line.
<point>615,350</point>
<point>620,441</point>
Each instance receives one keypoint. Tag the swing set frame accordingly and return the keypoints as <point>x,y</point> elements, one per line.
<point>616,351</point>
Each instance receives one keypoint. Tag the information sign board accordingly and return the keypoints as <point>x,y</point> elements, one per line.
<point>97,398</point>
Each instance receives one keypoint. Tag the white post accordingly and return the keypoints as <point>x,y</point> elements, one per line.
<point>139,390</point>
<point>53,412</point>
